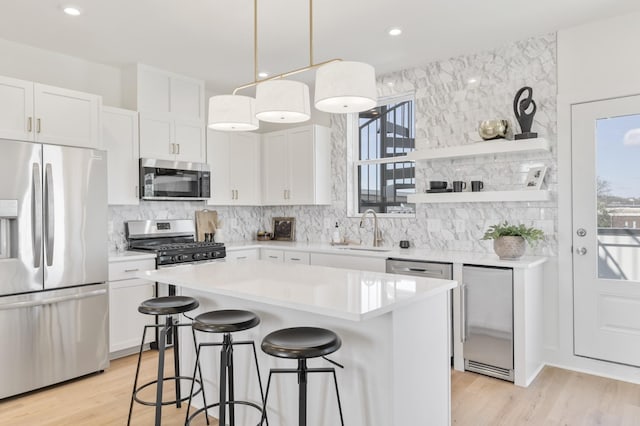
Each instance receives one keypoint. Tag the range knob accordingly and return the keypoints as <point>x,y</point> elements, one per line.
<point>182,257</point>
<point>197,256</point>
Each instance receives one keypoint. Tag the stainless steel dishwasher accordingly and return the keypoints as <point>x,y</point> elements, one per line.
<point>420,268</point>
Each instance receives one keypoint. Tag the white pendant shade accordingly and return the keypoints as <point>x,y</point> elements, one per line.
<point>232,113</point>
<point>283,101</point>
<point>344,87</point>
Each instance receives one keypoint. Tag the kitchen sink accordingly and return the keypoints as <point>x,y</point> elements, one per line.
<point>379,249</point>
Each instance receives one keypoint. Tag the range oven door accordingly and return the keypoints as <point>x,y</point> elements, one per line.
<point>174,180</point>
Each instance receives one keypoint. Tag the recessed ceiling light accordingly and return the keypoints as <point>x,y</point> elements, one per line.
<point>263,74</point>
<point>390,83</point>
<point>472,80</point>
<point>72,11</point>
<point>395,31</point>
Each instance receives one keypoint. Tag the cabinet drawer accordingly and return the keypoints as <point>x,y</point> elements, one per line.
<point>296,257</point>
<point>128,270</point>
<point>272,255</point>
<point>240,255</point>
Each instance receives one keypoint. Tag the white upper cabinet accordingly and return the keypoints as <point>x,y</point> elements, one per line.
<point>297,166</point>
<point>16,109</point>
<point>234,159</point>
<point>172,114</point>
<point>36,112</point>
<point>120,139</point>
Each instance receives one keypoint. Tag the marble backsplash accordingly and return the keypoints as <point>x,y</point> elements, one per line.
<point>448,108</point>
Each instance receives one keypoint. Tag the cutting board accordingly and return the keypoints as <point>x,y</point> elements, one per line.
<point>205,222</point>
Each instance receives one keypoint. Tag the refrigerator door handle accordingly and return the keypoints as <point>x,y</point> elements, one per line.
<point>463,313</point>
<point>52,301</point>
<point>49,213</point>
<point>36,215</point>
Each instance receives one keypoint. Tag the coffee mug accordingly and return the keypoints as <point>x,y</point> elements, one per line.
<point>459,185</point>
<point>476,185</point>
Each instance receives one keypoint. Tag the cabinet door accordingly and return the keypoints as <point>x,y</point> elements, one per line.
<point>156,138</point>
<point>301,166</point>
<point>244,163</point>
<point>275,164</point>
<point>125,322</point>
<point>16,109</point>
<point>219,159</point>
<point>66,117</point>
<point>272,255</point>
<point>243,255</point>
<point>187,98</point>
<point>296,257</point>
<point>153,90</point>
<point>120,139</point>
<point>190,140</point>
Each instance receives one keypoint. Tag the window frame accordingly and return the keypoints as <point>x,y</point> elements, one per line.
<point>353,160</point>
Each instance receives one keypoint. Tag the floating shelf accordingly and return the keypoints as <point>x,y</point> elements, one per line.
<point>481,197</point>
<point>481,148</point>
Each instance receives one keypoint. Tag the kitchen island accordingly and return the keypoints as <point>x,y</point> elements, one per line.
<point>394,330</point>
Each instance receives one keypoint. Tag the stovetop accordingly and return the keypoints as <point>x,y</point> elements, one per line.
<point>164,246</point>
<point>170,253</point>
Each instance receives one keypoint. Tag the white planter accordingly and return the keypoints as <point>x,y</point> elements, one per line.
<point>509,247</point>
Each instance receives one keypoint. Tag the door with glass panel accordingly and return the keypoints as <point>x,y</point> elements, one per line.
<point>606,229</point>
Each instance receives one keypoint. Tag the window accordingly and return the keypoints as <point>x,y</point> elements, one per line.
<point>377,138</point>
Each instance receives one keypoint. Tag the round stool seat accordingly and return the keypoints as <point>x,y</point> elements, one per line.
<point>225,321</point>
<point>301,342</point>
<point>168,305</point>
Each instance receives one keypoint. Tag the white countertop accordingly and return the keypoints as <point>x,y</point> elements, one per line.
<point>468,258</point>
<point>338,293</point>
<point>126,256</point>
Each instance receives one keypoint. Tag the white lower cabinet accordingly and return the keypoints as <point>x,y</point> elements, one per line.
<point>373,264</point>
<point>240,255</point>
<point>125,295</point>
<point>286,256</point>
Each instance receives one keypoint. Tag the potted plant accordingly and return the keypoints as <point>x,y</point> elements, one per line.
<point>509,240</point>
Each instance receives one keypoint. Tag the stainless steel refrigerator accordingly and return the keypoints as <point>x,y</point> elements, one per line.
<point>487,320</point>
<point>53,265</point>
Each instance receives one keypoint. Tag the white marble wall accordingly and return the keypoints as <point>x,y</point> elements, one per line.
<point>448,109</point>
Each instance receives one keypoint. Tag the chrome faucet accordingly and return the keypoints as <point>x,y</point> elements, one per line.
<point>377,236</point>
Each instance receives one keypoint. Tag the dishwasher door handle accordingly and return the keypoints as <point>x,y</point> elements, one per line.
<point>423,271</point>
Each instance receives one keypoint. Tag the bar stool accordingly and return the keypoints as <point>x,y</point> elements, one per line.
<point>226,321</point>
<point>169,305</point>
<point>302,343</point>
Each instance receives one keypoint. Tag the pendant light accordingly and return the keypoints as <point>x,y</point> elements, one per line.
<point>345,87</point>
<point>283,101</point>
<point>232,113</point>
<point>341,87</point>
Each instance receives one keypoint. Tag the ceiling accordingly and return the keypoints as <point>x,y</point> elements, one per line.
<point>213,39</point>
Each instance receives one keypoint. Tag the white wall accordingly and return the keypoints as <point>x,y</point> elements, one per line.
<point>55,69</point>
<point>595,61</point>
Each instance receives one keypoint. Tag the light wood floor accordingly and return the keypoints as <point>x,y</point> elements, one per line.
<point>557,397</point>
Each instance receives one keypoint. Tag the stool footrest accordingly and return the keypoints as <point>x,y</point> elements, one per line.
<point>165,379</point>
<point>247,403</point>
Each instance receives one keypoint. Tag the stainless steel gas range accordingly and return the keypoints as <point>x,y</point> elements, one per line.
<point>174,243</point>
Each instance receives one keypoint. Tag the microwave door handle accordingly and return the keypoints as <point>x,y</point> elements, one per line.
<point>36,215</point>
<point>49,207</point>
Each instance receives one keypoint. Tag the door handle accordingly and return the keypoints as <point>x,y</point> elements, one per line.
<point>132,270</point>
<point>38,126</point>
<point>30,124</point>
<point>36,215</point>
<point>49,225</point>
<point>178,148</point>
<point>581,251</point>
<point>173,148</point>
<point>463,313</point>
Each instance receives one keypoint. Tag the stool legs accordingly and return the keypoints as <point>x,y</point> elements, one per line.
<point>302,371</point>
<point>161,345</point>
<point>135,381</point>
<point>226,387</point>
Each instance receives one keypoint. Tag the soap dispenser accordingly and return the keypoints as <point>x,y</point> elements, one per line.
<point>336,238</point>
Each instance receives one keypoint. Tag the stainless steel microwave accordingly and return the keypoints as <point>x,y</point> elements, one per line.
<point>174,180</point>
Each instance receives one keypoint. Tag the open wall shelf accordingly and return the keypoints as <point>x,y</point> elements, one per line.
<point>480,149</point>
<point>481,197</point>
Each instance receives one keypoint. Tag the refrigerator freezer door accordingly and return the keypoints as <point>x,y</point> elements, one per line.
<point>52,336</point>
<point>21,185</point>
<point>488,304</point>
<point>75,216</point>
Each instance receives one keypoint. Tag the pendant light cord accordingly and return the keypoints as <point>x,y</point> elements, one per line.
<point>311,65</point>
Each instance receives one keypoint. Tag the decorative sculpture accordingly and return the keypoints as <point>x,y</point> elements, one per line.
<point>525,109</point>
